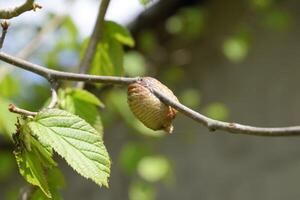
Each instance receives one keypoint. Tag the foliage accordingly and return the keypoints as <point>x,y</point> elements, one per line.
<point>74,129</point>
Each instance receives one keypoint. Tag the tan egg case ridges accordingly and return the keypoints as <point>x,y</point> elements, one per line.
<point>148,108</point>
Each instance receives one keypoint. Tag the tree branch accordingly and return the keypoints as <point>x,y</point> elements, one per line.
<point>95,38</point>
<point>13,108</point>
<point>211,124</point>
<point>51,74</point>
<point>14,12</point>
<point>231,127</point>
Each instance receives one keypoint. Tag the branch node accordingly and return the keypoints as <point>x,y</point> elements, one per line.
<point>36,6</point>
<point>5,24</point>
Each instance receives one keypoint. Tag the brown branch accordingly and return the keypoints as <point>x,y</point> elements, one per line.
<point>231,127</point>
<point>95,38</point>
<point>211,124</point>
<point>13,108</point>
<point>14,12</point>
<point>4,26</point>
<point>51,74</point>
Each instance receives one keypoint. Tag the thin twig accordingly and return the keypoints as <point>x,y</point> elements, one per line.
<point>236,128</point>
<point>54,99</point>
<point>211,124</point>
<point>95,38</point>
<point>36,41</point>
<point>13,108</point>
<point>4,26</point>
<point>14,12</point>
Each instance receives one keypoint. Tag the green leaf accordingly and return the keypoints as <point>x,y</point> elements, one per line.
<point>116,53</point>
<point>31,169</point>
<point>108,59</point>
<point>83,95</point>
<point>134,64</point>
<point>8,86</point>
<point>119,33</point>
<point>45,153</point>
<point>56,182</point>
<point>7,119</point>
<point>75,140</point>
<point>83,104</point>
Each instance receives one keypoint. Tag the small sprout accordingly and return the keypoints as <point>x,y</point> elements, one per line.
<point>5,24</point>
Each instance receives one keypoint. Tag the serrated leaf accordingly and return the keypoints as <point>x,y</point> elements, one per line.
<point>45,153</point>
<point>83,104</point>
<point>56,181</point>
<point>31,169</point>
<point>75,140</point>
<point>118,32</point>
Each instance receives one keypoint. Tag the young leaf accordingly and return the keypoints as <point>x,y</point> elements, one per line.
<point>7,119</point>
<point>8,86</point>
<point>75,140</point>
<point>108,59</point>
<point>83,104</point>
<point>84,95</point>
<point>31,169</point>
<point>119,33</point>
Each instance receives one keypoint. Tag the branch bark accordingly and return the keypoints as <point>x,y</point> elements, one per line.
<point>13,108</point>
<point>211,124</point>
<point>95,38</point>
<point>52,75</point>
<point>230,127</point>
<point>14,12</point>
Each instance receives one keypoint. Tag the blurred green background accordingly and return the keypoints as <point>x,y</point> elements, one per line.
<point>234,60</point>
